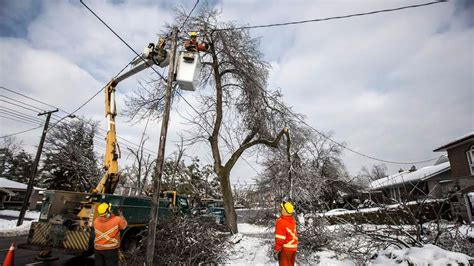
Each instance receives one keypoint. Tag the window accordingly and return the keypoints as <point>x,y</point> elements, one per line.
<point>470,159</point>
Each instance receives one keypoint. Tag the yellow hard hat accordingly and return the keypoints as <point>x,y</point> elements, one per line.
<point>287,208</point>
<point>193,34</point>
<point>104,208</point>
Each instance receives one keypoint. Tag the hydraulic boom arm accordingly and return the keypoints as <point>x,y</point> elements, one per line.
<point>154,54</point>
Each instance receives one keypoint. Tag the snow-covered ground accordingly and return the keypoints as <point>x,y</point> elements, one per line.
<point>8,225</point>
<point>256,241</point>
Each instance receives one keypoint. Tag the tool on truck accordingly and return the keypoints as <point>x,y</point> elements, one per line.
<point>66,219</point>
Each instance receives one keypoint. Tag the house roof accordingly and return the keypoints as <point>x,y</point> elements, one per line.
<point>7,183</point>
<point>410,177</point>
<point>461,140</point>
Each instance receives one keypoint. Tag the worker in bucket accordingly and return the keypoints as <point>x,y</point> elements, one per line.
<point>192,45</point>
<point>107,235</point>
<point>286,237</point>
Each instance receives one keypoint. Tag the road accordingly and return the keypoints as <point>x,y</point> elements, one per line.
<point>27,257</point>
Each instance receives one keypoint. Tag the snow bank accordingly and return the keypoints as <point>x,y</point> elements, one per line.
<point>426,255</point>
<point>8,227</point>
<point>252,229</point>
<point>29,214</point>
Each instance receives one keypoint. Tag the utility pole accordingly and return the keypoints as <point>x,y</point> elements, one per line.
<point>150,246</point>
<point>29,189</point>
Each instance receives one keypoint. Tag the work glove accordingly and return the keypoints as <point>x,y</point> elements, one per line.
<point>276,255</point>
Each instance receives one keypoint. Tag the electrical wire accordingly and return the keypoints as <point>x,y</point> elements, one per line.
<point>123,41</point>
<point>88,100</point>
<point>20,132</point>
<point>56,118</point>
<point>186,20</point>
<point>332,18</point>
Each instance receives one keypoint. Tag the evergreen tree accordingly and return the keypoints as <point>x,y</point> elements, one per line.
<point>70,162</point>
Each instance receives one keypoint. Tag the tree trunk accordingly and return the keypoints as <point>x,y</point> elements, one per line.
<point>230,215</point>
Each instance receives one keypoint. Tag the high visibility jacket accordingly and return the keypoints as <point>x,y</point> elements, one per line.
<point>286,237</point>
<point>107,232</point>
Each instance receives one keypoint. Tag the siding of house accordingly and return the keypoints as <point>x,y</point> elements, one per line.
<point>458,160</point>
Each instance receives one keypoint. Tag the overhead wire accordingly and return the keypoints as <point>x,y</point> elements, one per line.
<point>88,100</point>
<point>55,118</point>
<point>332,18</point>
<point>284,24</point>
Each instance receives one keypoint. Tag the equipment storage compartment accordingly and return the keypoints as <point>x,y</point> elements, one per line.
<point>188,70</point>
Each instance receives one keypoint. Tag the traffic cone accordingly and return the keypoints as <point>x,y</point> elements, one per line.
<point>9,258</point>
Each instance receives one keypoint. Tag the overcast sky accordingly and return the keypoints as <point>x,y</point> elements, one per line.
<point>393,86</point>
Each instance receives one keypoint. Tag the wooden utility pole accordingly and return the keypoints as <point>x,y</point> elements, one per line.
<point>29,189</point>
<point>150,246</point>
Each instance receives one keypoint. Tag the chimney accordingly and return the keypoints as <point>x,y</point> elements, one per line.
<point>412,169</point>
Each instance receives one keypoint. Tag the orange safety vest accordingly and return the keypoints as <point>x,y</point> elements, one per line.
<point>286,237</point>
<point>107,232</point>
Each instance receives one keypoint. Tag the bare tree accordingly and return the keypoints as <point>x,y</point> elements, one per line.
<point>141,168</point>
<point>241,114</point>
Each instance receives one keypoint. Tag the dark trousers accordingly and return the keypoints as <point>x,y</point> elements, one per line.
<point>287,258</point>
<point>106,257</point>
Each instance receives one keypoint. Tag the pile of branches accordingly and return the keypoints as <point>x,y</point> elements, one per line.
<point>185,240</point>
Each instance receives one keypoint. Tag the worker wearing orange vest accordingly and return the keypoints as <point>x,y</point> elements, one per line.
<point>286,237</point>
<point>107,235</point>
<point>192,45</point>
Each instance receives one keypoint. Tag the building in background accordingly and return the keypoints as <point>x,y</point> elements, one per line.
<point>12,194</point>
<point>461,157</point>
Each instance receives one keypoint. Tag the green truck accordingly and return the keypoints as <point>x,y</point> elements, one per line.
<point>65,222</point>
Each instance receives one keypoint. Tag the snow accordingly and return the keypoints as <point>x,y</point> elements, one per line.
<point>7,183</point>
<point>426,255</point>
<point>8,227</point>
<point>256,242</point>
<point>28,214</point>
<point>252,229</point>
<point>406,176</point>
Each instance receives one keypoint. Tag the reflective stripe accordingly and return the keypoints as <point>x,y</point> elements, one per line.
<point>280,237</point>
<point>290,245</point>
<point>113,241</point>
<point>106,245</point>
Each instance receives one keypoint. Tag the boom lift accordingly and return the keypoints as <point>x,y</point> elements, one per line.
<point>66,218</point>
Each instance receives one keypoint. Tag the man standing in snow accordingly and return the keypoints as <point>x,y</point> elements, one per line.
<point>286,237</point>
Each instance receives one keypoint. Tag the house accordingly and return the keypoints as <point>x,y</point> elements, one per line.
<point>12,194</point>
<point>461,157</point>
<point>413,184</point>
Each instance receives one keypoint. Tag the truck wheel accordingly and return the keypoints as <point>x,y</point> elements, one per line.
<point>130,244</point>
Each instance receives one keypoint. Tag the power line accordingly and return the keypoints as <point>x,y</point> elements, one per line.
<point>28,97</point>
<point>150,65</point>
<point>88,100</point>
<point>16,119</point>
<point>26,108</point>
<point>29,105</point>
<point>59,118</point>
<point>282,24</point>
<point>20,115</point>
<point>190,12</point>
<point>332,18</point>
<point>20,132</point>
<point>123,41</point>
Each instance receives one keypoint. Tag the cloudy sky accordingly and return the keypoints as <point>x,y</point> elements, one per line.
<point>393,86</point>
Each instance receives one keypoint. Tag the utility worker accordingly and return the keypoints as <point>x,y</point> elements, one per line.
<point>286,237</point>
<point>107,235</point>
<point>192,44</point>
